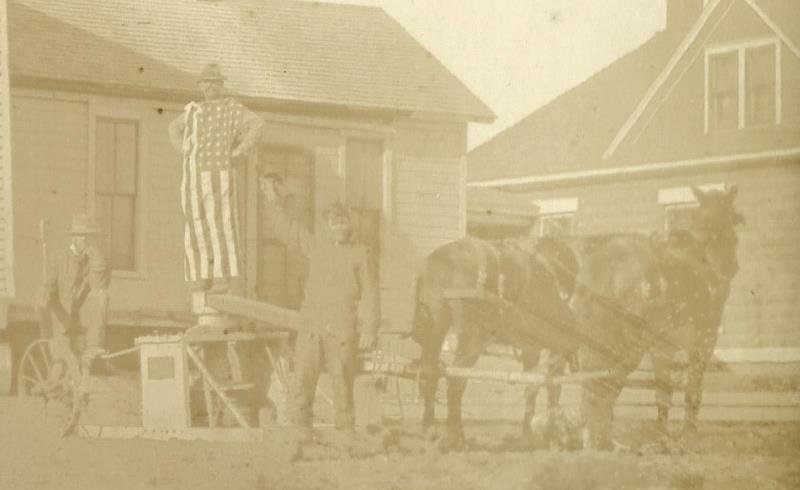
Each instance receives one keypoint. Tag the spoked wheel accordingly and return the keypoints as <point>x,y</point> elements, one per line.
<point>34,370</point>
<point>53,380</point>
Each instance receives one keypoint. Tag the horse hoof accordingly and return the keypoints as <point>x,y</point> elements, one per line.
<point>429,432</point>
<point>452,442</point>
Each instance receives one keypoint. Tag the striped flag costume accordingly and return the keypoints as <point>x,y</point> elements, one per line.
<point>212,129</point>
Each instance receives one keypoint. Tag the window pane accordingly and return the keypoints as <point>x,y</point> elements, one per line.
<point>123,234</point>
<point>760,85</point>
<point>103,215</point>
<point>104,157</point>
<point>724,90</point>
<point>126,158</point>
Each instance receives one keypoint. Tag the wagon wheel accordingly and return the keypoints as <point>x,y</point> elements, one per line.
<point>34,370</point>
<point>36,378</point>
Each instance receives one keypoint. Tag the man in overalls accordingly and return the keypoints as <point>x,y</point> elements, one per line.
<point>341,287</point>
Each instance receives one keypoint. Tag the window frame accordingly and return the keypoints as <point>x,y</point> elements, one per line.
<point>741,49</point>
<point>556,209</point>
<point>120,110</point>
<point>386,208</point>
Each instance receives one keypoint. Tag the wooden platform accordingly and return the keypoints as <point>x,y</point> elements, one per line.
<point>271,316</point>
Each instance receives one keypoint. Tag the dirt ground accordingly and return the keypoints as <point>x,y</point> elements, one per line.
<point>32,456</point>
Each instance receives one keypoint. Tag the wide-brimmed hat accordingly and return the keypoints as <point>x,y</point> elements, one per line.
<point>82,225</point>
<point>211,73</point>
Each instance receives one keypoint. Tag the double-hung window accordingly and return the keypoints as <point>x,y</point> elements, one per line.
<point>743,85</point>
<point>116,178</point>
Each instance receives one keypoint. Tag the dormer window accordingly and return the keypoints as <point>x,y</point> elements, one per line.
<point>742,85</point>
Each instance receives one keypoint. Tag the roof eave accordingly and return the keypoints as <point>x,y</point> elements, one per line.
<point>263,103</point>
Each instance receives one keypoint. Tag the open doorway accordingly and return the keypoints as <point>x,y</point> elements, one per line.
<point>281,272</point>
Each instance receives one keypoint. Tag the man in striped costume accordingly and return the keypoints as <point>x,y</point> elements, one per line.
<point>214,135</point>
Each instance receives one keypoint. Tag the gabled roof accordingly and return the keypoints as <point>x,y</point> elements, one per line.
<point>715,7</point>
<point>280,50</point>
<point>571,134</point>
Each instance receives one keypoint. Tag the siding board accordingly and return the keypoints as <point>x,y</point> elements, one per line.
<point>762,309</point>
<point>7,285</point>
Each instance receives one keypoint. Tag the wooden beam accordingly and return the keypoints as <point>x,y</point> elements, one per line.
<point>276,316</point>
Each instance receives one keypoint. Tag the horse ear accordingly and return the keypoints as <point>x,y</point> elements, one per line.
<point>698,194</point>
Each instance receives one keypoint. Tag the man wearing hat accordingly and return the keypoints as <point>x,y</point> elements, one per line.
<point>212,135</point>
<point>73,301</point>
<point>341,309</point>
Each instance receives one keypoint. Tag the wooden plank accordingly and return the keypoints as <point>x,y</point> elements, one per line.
<point>217,434</point>
<point>280,318</point>
<point>208,378</point>
<point>145,318</point>
<point>513,413</point>
<point>632,404</point>
<point>404,369</point>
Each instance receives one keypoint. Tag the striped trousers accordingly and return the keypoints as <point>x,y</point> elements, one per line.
<point>211,234</point>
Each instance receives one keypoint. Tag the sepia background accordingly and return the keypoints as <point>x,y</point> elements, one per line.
<point>433,120</point>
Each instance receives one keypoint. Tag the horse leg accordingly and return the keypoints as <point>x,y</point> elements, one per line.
<point>530,360</point>
<point>599,395</point>
<point>699,355</point>
<point>470,347</point>
<point>431,345</point>
<point>555,367</point>
<point>662,369</point>
<point>429,382</point>
<point>597,407</point>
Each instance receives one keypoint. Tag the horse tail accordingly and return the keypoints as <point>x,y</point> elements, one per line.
<point>422,321</point>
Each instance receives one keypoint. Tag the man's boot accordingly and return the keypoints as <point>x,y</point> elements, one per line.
<point>301,437</point>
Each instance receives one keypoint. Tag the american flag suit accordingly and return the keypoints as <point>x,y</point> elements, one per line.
<point>212,129</point>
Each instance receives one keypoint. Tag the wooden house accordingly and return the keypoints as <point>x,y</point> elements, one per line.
<point>355,109</point>
<point>494,214</point>
<point>712,100</point>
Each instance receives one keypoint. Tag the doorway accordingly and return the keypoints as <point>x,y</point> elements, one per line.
<point>281,272</point>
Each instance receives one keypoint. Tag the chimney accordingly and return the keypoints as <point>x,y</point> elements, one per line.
<point>682,14</point>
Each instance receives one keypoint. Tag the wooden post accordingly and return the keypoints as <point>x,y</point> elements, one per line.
<point>210,408</point>
<point>216,387</point>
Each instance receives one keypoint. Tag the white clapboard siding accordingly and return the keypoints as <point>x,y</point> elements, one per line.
<point>6,222</point>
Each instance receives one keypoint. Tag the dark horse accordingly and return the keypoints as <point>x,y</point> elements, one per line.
<point>535,279</point>
<point>659,294</point>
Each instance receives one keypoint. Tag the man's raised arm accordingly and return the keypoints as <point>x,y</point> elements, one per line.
<point>281,226</point>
